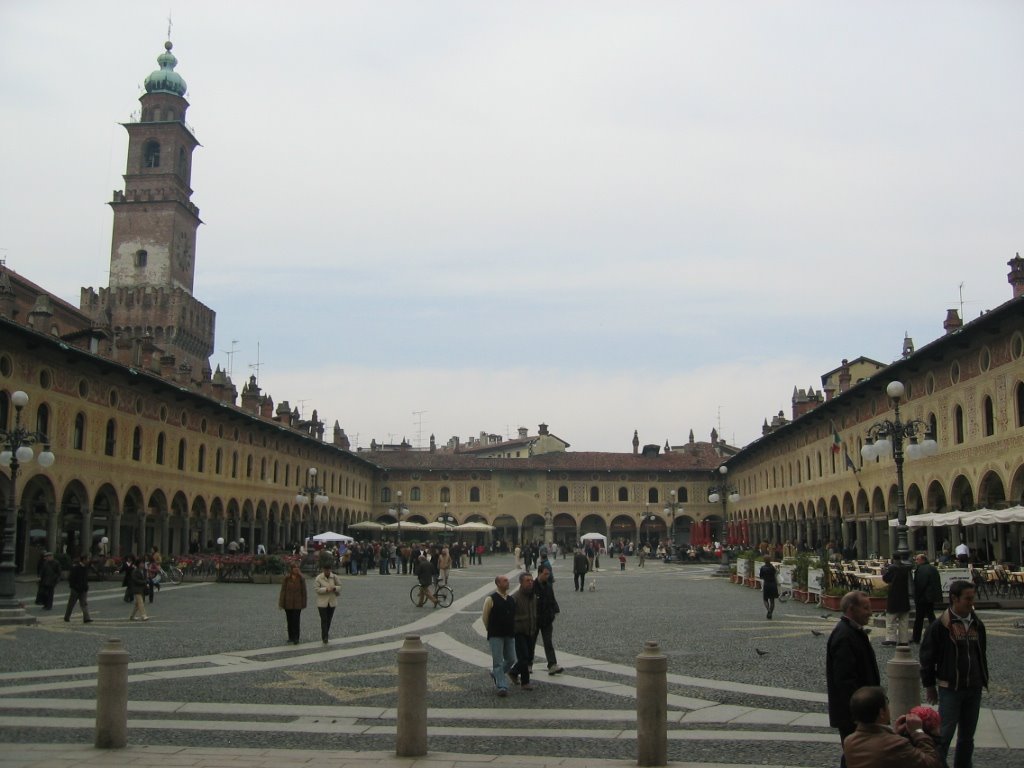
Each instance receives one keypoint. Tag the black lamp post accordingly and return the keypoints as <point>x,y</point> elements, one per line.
<point>887,436</point>
<point>312,493</point>
<point>16,450</point>
<point>725,493</point>
<point>448,521</point>
<point>645,517</point>
<point>671,509</point>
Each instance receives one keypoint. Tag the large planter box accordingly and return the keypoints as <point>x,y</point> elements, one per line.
<point>830,602</point>
<point>261,578</point>
<point>750,582</point>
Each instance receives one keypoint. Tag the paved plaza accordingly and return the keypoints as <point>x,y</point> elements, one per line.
<point>213,682</point>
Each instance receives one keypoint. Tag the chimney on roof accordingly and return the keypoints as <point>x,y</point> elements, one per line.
<point>266,407</point>
<point>636,443</point>
<point>1016,276</point>
<point>523,433</point>
<point>952,322</point>
<point>844,376</point>
<point>651,449</point>
<point>542,429</point>
<point>433,444</point>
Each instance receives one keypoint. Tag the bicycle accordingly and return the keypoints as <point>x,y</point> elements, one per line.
<point>443,593</point>
<point>174,574</point>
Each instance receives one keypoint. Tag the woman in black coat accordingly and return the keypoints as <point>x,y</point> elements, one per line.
<point>769,585</point>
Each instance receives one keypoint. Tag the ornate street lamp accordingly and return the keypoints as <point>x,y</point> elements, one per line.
<point>725,493</point>
<point>16,450</point>
<point>447,519</point>
<point>399,512</point>
<point>312,493</point>
<point>672,508</point>
<point>887,437</point>
<point>645,516</point>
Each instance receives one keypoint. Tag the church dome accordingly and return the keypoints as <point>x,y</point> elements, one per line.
<point>165,79</point>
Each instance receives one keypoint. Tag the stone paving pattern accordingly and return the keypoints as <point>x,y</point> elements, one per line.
<point>210,672</point>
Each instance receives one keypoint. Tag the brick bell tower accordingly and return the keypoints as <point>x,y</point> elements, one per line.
<point>149,304</point>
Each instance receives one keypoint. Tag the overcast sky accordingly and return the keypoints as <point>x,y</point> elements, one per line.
<point>451,217</point>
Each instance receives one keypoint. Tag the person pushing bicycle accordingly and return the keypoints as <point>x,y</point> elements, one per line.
<point>425,576</point>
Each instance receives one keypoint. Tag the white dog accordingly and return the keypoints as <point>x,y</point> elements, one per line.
<point>593,586</point>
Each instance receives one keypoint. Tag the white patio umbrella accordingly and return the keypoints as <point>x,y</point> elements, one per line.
<point>475,527</point>
<point>409,526</point>
<point>435,527</point>
<point>593,537</point>
<point>365,525</point>
<point>332,536</point>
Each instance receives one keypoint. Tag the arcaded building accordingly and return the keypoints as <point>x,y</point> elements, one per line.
<point>156,449</point>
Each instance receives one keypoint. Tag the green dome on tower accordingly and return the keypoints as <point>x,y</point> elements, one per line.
<point>165,79</point>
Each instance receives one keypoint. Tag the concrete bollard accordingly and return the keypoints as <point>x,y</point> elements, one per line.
<point>112,696</point>
<point>411,738</point>
<point>651,706</point>
<point>904,674</point>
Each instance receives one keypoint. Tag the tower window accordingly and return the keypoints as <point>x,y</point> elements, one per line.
<point>151,155</point>
<point>140,257</point>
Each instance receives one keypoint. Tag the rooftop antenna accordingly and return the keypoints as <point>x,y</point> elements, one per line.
<point>720,422</point>
<point>169,25</point>
<point>257,365</point>
<point>302,404</point>
<point>961,300</point>
<point>231,356</point>
<point>419,427</point>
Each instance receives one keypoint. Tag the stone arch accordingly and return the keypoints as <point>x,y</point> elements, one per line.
<point>991,491</point>
<point>623,527</point>
<point>533,528</point>
<point>961,494</point>
<point>217,523</point>
<point>156,522</point>
<point>133,522</point>
<point>37,522</point>
<point>565,530</point>
<point>179,524</point>
<point>1017,485</point>
<point>204,533</point>
<point>593,524</point>
<point>247,527</point>
<point>682,530</point>
<point>75,526</point>
<point>232,522</point>
<point>506,528</point>
<point>936,498</point>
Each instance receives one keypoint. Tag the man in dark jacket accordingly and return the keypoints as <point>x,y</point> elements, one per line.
<point>927,594</point>
<point>78,583</point>
<point>898,576</point>
<point>425,576</point>
<point>525,631</point>
<point>547,609</point>
<point>580,566</point>
<point>49,576</point>
<point>849,661</point>
<point>954,669</point>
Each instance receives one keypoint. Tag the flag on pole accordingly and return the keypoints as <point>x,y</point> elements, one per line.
<point>837,441</point>
<point>849,462</point>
